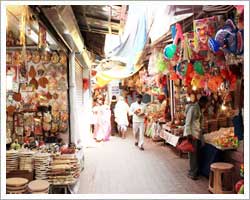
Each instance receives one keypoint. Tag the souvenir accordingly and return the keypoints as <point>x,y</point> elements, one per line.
<point>8,58</point>
<point>62,84</point>
<point>64,116</point>
<point>28,56</point>
<point>46,57</point>
<point>49,96</point>
<point>17,96</point>
<point>54,127</point>
<point>42,36</point>
<point>11,109</point>
<point>52,84</point>
<point>32,72</point>
<point>47,117</point>
<point>38,130</point>
<point>63,127</point>
<point>41,70</point>
<point>43,82</point>
<point>23,74</point>
<point>170,50</point>
<point>203,29</point>
<point>34,83</point>
<point>55,58</point>
<point>16,58</point>
<point>63,58</point>
<point>36,57</point>
<point>10,41</point>
<point>46,126</point>
<point>12,70</point>
<point>230,39</point>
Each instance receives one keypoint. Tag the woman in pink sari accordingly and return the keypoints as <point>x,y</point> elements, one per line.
<point>102,127</point>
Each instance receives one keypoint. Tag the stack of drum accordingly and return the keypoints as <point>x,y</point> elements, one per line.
<point>16,185</point>
<point>11,161</point>
<point>38,187</point>
<point>42,162</point>
<point>26,160</point>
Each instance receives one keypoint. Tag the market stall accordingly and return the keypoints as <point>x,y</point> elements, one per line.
<point>204,61</point>
<point>37,106</point>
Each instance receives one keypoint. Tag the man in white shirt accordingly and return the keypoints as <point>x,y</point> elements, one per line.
<point>137,109</point>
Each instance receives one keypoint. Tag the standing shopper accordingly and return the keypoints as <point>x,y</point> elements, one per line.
<point>193,132</point>
<point>137,109</point>
<point>114,128</point>
<point>121,116</point>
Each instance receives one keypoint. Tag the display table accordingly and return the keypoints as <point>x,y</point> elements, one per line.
<point>221,148</point>
<point>169,137</point>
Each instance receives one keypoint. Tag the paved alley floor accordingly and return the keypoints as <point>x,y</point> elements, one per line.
<point>119,167</point>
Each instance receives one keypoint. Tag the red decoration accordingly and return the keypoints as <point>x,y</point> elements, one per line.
<point>93,72</point>
<point>85,83</point>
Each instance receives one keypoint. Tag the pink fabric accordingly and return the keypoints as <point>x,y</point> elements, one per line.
<point>102,127</point>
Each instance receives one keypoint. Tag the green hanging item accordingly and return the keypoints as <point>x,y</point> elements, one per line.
<point>161,64</point>
<point>198,68</point>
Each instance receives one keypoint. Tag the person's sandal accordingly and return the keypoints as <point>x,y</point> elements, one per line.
<point>136,143</point>
<point>193,177</point>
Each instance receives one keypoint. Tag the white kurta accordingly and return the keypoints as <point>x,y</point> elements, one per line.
<point>121,113</point>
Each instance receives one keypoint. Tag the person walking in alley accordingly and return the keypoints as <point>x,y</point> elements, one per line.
<point>121,112</point>
<point>193,131</point>
<point>102,115</point>
<point>137,110</point>
<point>114,128</point>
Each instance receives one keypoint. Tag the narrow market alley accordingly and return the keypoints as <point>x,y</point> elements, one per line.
<point>118,167</point>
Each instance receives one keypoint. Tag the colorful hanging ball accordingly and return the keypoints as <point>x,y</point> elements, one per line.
<point>169,51</point>
<point>198,68</point>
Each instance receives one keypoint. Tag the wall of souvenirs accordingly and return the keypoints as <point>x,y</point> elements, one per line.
<point>37,100</point>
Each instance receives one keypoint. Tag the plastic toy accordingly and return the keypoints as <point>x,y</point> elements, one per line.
<point>229,39</point>
<point>170,49</point>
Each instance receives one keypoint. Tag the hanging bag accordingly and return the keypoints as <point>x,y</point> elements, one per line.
<point>186,146</point>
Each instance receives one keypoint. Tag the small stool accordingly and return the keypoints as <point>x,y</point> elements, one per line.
<point>217,176</point>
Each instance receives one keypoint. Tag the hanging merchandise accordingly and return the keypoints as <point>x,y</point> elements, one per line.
<point>161,64</point>
<point>188,46</point>
<point>45,57</point>
<point>170,50</point>
<point>198,68</point>
<point>42,37</point>
<point>229,39</point>
<point>214,83</point>
<point>23,26</point>
<point>32,72</point>
<point>203,29</point>
<point>181,69</point>
<point>101,81</point>
<point>36,57</point>
<point>152,70</point>
<point>189,74</point>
